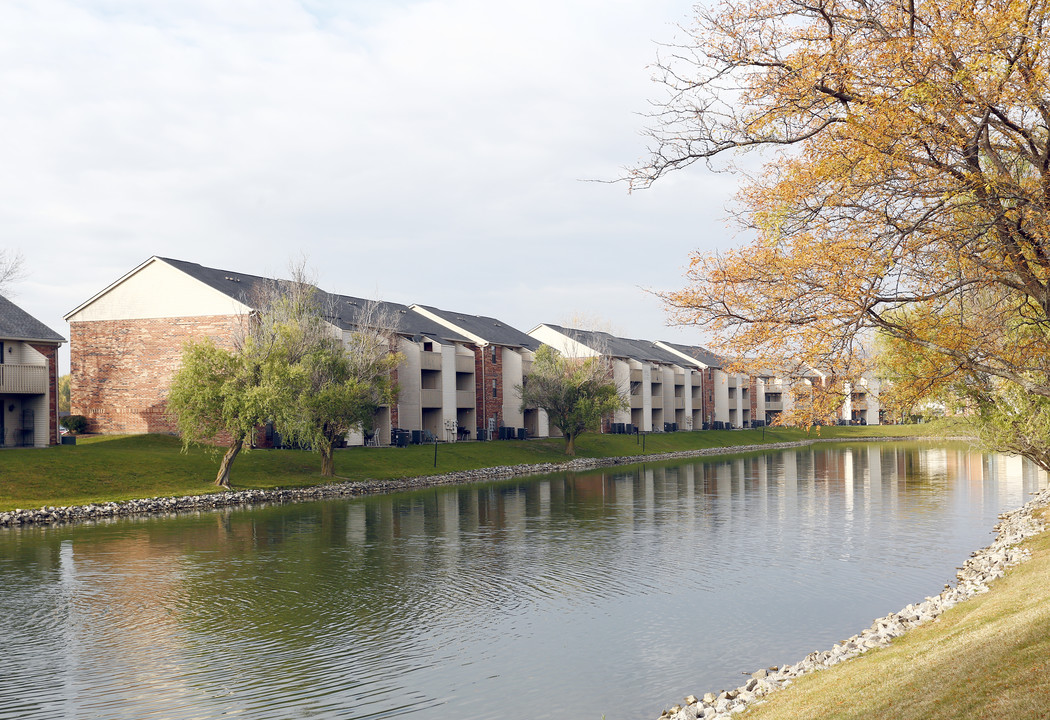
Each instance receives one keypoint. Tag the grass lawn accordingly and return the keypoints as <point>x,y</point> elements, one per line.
<point>988,657</point>
<point>109,468</point>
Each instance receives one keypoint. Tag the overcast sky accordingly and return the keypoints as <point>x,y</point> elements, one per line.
<point>433,152</point>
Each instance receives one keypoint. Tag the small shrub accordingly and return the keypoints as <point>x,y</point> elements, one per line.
<point>76,424</point>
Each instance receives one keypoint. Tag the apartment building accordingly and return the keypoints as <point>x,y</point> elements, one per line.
<point>503,355</point>
<point>28,379</point>
<point>726,400</point>
<point>663,388</point>
<point>457,380</point>
<point>437,379</point>
<point>126,340</point>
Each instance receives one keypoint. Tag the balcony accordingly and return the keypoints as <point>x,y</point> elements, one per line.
<point>465,363</point>
<point>636,402</point>
<point>679,403</point>
<point>774,406</point>
<point>23,379</point>
<point>430,361</point>
<point>636,375</point>
<point>465,398</point>
<point>429,398</point>
<point>657,402</point>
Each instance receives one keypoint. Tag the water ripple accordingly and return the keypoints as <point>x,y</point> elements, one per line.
<point>565,595</point>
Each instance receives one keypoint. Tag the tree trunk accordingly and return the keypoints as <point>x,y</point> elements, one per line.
<point>223,478</point>
<point>570,444</point>
<point>327,461</point>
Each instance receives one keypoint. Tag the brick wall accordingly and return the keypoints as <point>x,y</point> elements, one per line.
<point>752,384</point>
<point>395,408</point>
<point>486,370</point>
<point>51,353</point>
<point>709,395</point>
<point>121,369</point>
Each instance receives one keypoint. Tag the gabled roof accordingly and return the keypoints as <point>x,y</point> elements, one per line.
<point>650,351</point>
<point>487,329</point>
<point>613,346</point>
<point>17,324</point>
<point>246,289</point>
<point>703,355</point>
<point>344,311</point>
<point>348,314</point>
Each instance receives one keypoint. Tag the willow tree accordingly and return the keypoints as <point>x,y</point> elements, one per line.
<point>339,384</point>
<point>905,184</point>
<point>220,395</point>
<point>575,392</point>
<point>217,396</point>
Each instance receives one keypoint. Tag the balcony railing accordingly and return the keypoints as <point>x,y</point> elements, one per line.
<point>465,399</point>
<point>430,361</point>
<point>429,398</point>
<point>23,379</point>
<point>465,363</point>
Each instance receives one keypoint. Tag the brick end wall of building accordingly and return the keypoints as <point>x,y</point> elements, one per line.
<point>121,369</point>
<point>51,353</point>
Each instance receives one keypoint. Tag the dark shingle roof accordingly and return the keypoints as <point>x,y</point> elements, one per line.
<point>704,355</point>
<point>348,312</point>
<point>345,311</point>
<point>17,324</point>
<point>614,346</point>
<point>488,329</point>
<point>247,289</point>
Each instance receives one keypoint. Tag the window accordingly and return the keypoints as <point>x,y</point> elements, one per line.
<point>428,347</point>
<point>493,353</point>
<point>493,387</point>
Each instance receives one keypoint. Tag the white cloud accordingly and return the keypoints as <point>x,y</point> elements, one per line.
<point>433,151</point>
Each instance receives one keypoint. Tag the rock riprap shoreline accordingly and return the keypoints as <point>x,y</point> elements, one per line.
<point>973,578</point>
<point>186,503</point>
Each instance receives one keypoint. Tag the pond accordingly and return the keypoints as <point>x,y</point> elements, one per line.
<point>614,592</point>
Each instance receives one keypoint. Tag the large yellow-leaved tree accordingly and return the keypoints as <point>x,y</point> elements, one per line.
<point>904,189</point>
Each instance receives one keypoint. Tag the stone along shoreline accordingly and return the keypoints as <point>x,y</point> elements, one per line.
<point>233,498</point>
<point>973,578</point>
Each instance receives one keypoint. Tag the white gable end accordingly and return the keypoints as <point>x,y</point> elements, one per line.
<point>156,290</point>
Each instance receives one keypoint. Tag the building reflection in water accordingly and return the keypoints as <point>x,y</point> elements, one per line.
<point>568,592</point>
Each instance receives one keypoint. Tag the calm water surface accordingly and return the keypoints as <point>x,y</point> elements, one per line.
<point>615,592</point>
